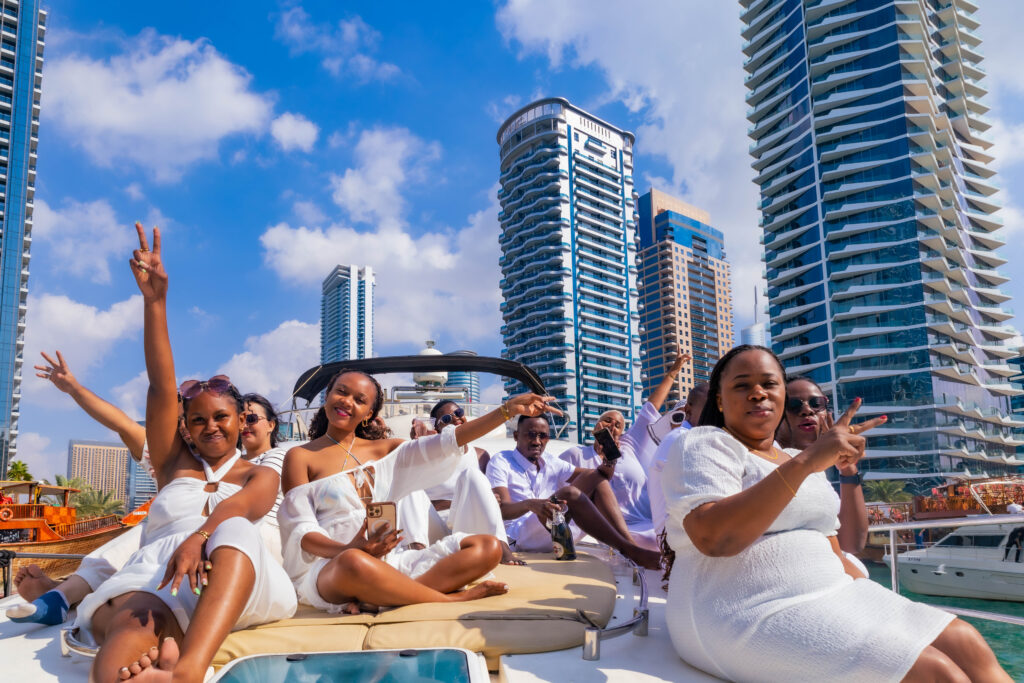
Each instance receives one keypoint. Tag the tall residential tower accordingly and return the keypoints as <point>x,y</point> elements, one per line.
<point>568,258</point>
<point>880,230</point>
<point>685,291</point>
<point>346,314</point>
<point>21,72</point>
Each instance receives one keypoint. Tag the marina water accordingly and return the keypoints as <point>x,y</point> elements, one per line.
<point>1007,640</point>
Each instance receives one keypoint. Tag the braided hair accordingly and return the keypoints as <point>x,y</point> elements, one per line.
<point>364,430</point>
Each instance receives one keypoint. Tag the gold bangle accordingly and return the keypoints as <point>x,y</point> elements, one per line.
<point>204,534</point>
<point>785,482</point>
<point>505,413</point>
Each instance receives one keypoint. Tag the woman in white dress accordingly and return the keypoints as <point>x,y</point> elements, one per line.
<point>328,482</point>
<point>200,536</point>
<point>760,590</point>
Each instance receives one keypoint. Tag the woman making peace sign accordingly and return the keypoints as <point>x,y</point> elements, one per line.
<point>761,590</point>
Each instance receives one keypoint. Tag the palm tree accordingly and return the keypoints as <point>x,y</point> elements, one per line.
<point>93,503</point>
<point>886,491</point>
<point>18,471</point>
<point>73,483</point>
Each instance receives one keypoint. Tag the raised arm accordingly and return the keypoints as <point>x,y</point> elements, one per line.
<point>660,393</point>
<point>110,416</point>
<point>162,398</point>
<point>530,405</point>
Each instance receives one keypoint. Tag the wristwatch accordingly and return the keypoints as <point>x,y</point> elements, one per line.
<point>854,479</point>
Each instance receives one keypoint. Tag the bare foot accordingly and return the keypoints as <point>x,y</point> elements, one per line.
<point>509,557</point>
<point>144,662</point>
<point>162,666</point>
<point>648,559</point>
<point>484,589</point>
<point>31,582</point>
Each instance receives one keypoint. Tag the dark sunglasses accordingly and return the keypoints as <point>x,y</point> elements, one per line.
<point>816,403</point>
<point>447,419</point>
<point>218,384</point>
<point>543,436</point>
<point>253,418</point>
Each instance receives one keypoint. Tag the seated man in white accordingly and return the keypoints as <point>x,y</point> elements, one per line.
<point>531,485</point>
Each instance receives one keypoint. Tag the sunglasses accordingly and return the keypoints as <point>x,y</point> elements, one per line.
<point>253,418</point>
<point>543,436</point>
<point>218,384</point>
<point>816,403</point>
<point>447,419</point>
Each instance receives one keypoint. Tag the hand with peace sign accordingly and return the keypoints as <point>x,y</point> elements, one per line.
<point>842,444</point>
<point>147,266</point>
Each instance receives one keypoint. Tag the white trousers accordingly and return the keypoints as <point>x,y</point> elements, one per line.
<point>474,510</point>
<point>105,561</point>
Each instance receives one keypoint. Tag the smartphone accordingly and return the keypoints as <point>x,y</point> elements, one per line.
<point>666,423</point>
<point>379,514</point>
<point>608,445</point>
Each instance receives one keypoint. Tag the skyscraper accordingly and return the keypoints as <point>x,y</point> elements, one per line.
<point>568,258</point>
<point>880,231</point>
<point>103,466</point>
<point>468,380</point>
<point>141,486</point>
<point>21,70</point>
<point>753,334</point>
<point>685,291</point>
<point>346,314</point>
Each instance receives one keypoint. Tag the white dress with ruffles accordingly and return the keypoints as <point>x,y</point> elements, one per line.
<point>783,609</point>
<point>174,515</point>
<point>331,506</point>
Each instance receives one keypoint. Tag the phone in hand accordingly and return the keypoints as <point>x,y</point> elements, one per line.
<point>608,445</point>
<point>379,515</point>
<point>666,423</point>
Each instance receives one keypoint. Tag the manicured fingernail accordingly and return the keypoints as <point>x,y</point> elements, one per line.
<point>884,418</point>
<point>124,670</point>
<point>168,638</point>
<point>197,590</point>
<point>174,592</point>
<point>205,582</point>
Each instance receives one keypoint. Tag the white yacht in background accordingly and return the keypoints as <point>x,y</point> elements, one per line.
<point>967,563</point>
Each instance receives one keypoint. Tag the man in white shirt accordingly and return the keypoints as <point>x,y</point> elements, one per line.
<point>526,479</point>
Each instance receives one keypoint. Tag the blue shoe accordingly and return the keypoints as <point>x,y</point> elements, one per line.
<point>51,608</point>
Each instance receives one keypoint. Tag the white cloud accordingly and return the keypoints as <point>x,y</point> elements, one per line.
<point>345,50</point>
<point>272,361</point>
<point>679,65</point>
<point>309,213</point>
<point>44,459</point>
<point>134,190</point>
<point>83,237</point>
<point>294,131</point>
<point>163,103</point>
<point>84,334</point>
<point>131,396</point>
<point>387,160</point>
<point>426,285</point>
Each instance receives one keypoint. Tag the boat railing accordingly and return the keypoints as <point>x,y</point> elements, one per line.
<point>24,510</point>
<point>637,625</point>
<point>8,556</point>
<point>87,526</point>
<point>895,528</point>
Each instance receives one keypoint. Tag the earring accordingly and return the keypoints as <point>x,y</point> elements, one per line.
<point>366,422</point>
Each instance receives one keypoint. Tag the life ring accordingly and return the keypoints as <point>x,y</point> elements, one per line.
<point>6,514</point>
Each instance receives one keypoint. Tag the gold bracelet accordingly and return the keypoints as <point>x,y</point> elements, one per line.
<point>505,413</point>
<point>204,534</point>
<point>785,482</point>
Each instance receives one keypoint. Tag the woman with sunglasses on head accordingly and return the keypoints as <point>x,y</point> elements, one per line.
<point>200,534</point>
<point>808,417</point>
<point>761,589</point>
<point>334,563</point>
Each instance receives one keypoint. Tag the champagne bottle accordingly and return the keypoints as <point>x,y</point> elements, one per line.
<point>561,536</point>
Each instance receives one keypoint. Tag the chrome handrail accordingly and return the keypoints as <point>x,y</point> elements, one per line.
<point>638,625</point>
<point>70,644</point>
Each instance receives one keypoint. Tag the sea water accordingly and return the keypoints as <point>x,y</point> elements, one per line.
<point>1006,640</point>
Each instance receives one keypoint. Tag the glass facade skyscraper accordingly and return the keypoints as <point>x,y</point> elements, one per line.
<point>468,380</point>
<point>346,314</point>
<point>879,227</point>
<point>21,69</point>
<point>568,259</point>
<point>685,292</point>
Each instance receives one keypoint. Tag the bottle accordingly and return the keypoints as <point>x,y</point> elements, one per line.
<point>561,536</point>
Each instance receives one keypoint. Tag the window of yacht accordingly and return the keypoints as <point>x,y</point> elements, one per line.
<point>979,541</point>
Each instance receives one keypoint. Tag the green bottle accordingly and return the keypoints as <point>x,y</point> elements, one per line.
<point>561,536</point>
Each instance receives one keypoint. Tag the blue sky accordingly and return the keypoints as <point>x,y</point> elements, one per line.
<point>273,140</point>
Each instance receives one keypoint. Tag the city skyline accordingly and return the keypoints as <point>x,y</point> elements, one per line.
<point>346,314</point>
<point>270,191</point>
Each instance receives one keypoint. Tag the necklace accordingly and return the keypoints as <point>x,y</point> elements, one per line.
<point>347,448</point>
<point>771,454</point>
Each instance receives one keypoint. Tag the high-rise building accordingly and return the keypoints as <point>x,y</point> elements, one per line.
<point>21,71</point>
<point>346,314</point>
<point>754,334</point>
<point>101,465</point>
<point>685,292</point>
<point>141,486</point>
<point>568,259</point>
<point>879,226</point>
<point>467,380</point>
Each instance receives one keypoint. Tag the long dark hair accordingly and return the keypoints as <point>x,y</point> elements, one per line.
<point>271,414</point>
<point>364,430</point>
<point>711,415</point>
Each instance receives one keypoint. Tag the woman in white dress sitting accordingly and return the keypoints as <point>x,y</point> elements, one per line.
<point>333,562</point>
<point>761,590</point>
<point>202,569</point>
